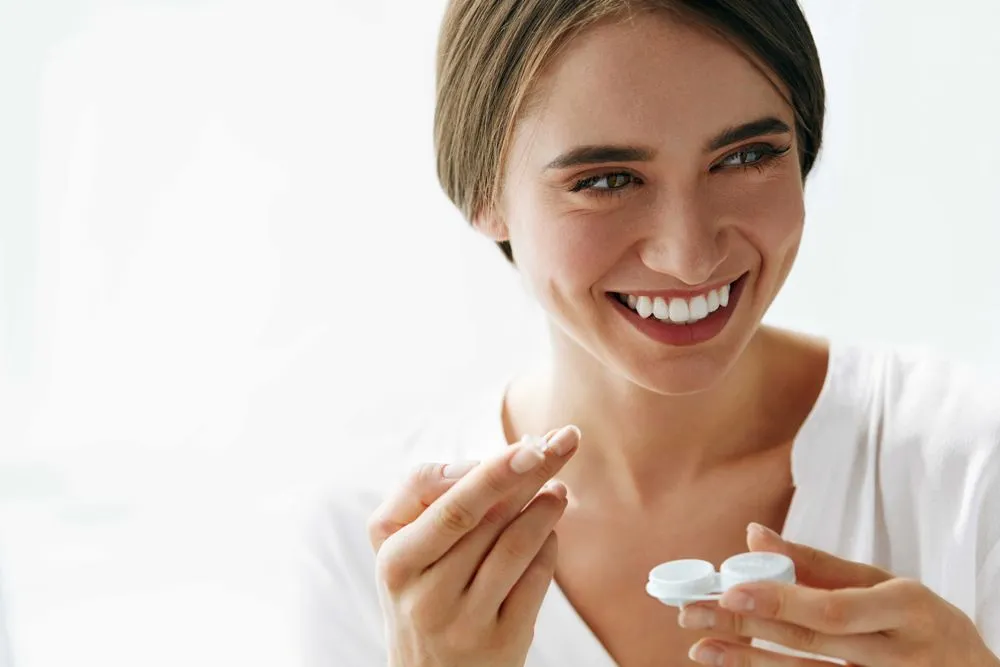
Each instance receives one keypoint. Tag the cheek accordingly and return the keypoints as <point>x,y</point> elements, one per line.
<point>772,217</point>
<point>573,249</point>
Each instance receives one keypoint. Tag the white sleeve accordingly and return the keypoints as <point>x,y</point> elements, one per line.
<point>341,621</point>
<point>988,577</point>
<point>988,608</point>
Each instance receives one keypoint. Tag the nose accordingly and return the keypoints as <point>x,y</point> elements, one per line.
<point>684,240</point>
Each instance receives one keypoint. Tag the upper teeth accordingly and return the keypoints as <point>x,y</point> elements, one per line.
<point>681,311</point>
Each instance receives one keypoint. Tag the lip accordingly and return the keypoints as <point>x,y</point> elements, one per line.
<point>683,335</point>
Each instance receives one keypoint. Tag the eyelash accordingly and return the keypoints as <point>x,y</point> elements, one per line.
<point>769,154</point>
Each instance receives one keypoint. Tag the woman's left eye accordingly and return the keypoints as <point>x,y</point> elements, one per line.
<point>604,184</point>
<point>751,156</point>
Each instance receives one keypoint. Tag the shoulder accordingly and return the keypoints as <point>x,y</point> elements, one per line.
<point>937,427</point>
<point>948,410</point>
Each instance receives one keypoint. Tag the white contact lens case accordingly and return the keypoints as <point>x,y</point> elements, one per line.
<point>678,582</point>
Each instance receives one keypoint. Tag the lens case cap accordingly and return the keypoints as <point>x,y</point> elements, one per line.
<point>679,582</point>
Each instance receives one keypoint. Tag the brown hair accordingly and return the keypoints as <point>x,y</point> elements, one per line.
<point>490,52</point>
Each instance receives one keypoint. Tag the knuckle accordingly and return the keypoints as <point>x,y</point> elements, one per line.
<point>528,546</point>
<point>913,596</point>
<point>810,558</point>
<point>498,515</point>
<point>907,588</point>
<point>390,571</point>
<point>378,528</point>
<point>778,607</point>
<point>455,517</point>
<point>517,549</point>
<point>913,593</point>
<point>801,638</point>
<point>421,612</point>
<point>496,482</point>
<point>740,624</point>
<point>548,468</point>
<point>833,614</point>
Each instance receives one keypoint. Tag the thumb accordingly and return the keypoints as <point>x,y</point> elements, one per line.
<point>813,567</point>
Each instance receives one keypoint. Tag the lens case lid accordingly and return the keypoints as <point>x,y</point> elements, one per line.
<point>678,582</point>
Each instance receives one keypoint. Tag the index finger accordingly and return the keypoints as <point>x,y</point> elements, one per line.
<point>462,507</point>
<point>845,611</point>
<point>814,567</point>
<point>425,484</point>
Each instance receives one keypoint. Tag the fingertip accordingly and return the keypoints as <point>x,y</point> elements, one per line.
<point>759,535</point>
<point>556,488</point>
<point>571,499</point>
<point>564,442</point>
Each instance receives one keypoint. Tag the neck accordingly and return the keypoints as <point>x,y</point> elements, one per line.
<point>639,445</point>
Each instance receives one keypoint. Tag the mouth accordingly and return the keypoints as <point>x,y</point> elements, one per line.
<point>681,311</point>
<point>681,320</point>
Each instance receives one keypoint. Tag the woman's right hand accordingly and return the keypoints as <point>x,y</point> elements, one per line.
<point>465,556</point>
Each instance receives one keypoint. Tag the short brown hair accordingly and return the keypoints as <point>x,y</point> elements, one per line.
<point>490,52</point>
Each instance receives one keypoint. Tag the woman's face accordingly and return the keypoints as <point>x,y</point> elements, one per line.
<point>657,166</point>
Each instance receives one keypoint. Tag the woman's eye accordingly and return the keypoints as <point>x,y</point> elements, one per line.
<point>606,183</point>
<point>753,156</point>
<point>745,157</point>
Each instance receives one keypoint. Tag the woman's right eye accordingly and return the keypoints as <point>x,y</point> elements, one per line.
<point>606,184</point>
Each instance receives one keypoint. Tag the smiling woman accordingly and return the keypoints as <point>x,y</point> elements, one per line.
<point>643,165</point>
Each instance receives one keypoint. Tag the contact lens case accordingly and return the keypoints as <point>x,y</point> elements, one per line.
<point>679,582</point>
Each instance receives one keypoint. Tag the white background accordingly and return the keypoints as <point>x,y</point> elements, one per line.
<point>224,258</point>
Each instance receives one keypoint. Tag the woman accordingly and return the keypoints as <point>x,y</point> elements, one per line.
<point>642,164</point>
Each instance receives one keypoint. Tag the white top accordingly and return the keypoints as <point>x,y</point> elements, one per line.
<point>897,465</point>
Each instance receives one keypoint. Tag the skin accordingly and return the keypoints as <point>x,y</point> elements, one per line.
<point>672,436</point>
<point>687,219</point>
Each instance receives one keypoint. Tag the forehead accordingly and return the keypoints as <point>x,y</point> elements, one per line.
<point>650,79</point>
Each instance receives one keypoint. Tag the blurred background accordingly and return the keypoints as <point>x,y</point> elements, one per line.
<point>225,261</point>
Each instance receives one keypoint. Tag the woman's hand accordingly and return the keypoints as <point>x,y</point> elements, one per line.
<point>465,556</point>
<point>854,612</point>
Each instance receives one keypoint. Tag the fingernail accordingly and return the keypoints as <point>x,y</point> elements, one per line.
<point>564,441</point>
<point>696,618</point>
<point>457,470</point>
<point>737,601</point>
<point>707,654</point>
<point>762,531</point>
<point>528,457</point>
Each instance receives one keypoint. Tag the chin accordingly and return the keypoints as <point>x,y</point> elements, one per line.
<point>693,372</point>
<point>693,366</point>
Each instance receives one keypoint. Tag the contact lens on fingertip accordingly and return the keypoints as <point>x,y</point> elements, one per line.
<point>533,441</point>
<point>679,582</point>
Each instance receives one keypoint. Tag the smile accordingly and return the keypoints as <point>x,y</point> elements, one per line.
<point>681,319</point>
<point>678,310</point>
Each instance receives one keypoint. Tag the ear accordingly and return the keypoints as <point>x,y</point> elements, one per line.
<point>490,223</point>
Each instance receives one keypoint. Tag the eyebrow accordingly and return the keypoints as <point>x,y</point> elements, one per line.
<point>755,128</point>
<point>583,155</point>
<point>597,154</point>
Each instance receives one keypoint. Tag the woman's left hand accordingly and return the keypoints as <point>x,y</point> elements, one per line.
<point>854,612</point>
